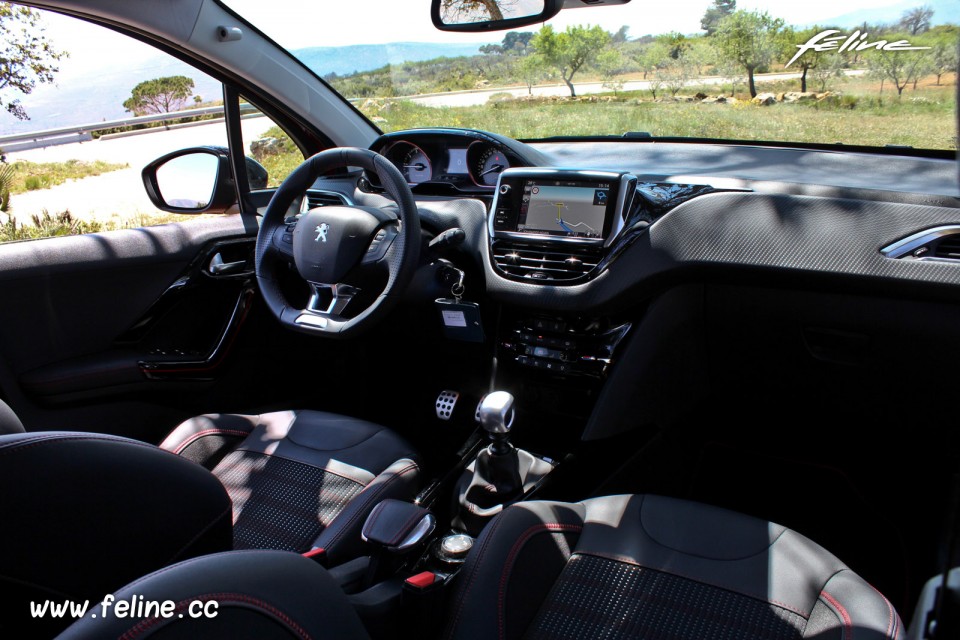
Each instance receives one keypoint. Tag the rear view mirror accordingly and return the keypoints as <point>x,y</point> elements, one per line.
<point>497,15</point>
<point>491,15</point>
<point>191,181</point>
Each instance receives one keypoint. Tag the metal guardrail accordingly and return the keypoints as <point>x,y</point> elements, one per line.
<point>82,132</point>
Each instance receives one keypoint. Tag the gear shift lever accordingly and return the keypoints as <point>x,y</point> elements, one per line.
<point>496,418</point>
<point>501,474</point>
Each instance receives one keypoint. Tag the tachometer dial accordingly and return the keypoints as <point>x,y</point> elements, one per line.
<point>416,166</point>
<point>488,166</point>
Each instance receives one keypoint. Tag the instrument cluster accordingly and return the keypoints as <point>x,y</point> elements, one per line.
<point>446,162</point>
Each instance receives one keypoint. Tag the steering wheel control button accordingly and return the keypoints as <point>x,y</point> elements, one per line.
<point>446,402</point>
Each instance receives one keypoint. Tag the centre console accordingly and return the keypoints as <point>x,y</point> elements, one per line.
<point>556,226</point>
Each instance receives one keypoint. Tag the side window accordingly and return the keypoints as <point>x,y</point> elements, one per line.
<point>95,107</point>
<point>269,145</point>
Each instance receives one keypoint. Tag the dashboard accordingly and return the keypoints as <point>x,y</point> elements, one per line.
<point>575,235</point>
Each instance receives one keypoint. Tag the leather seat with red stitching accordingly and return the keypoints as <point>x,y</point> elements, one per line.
<point>629,566</point>
<point>299,479</point>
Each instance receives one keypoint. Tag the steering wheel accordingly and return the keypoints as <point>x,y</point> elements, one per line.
<point>328,243</point>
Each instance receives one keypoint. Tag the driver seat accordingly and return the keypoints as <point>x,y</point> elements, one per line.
<point>299,480</point>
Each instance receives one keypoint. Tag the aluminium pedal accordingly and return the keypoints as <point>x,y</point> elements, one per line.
<point>446,402</point>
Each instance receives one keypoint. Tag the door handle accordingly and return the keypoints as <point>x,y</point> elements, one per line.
<point>220,268</point>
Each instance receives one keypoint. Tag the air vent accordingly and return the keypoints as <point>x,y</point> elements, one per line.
<point>939,243</point>
<point>948,247</point>
<point>323,199</point>
<point>538,264</point>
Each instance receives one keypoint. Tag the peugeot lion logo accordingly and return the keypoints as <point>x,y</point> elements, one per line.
<point>321,232</point>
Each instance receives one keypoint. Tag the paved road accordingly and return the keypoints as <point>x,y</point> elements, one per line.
<point>118,195</point>
<point>473,98</point>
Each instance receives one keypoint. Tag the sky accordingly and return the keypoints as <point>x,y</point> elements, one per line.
<point>297,24</point>
<point>100,58</point>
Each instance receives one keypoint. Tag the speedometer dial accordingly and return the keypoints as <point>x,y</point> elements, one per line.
<point>416,166</point>
<point>488,165</point>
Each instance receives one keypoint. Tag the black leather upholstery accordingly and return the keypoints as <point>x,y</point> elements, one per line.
<point>259,594</point>
<point>300,479</point>
<point>9,422</point>
<point>649,566</point>
<point>84,514</point>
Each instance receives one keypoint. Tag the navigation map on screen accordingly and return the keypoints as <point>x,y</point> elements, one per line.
<point>564,209</point>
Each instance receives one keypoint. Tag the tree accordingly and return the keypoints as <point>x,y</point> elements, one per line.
<point>26,56</point>
<point>943,56</point>
<point>916,21</point>
<point>810,60</point>
<point>532,70</point>
<point>569,51</point>
<point>732,73</point>
<point>700,53</point>
<point>610,63</point>
<point>829,67</point>
<point>516,41</point>
<point>717,12</point>
<point>651,57</point>
<point>466,11</point>
<point>899,67</point>
<point>621,35</point>
<point>675,76</point>
<point>751,39</point>
<point>160,95</point>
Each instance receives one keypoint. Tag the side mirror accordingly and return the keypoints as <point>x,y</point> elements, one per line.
<point>194,180</point>
<point>491,15</point>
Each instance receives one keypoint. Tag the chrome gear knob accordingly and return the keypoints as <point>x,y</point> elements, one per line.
<point>496,412</point>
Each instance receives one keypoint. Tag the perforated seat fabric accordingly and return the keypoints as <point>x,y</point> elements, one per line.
<point>655,567</point>
<point>300,479</point>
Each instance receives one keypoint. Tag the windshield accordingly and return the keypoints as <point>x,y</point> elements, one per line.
<point>860,72</point>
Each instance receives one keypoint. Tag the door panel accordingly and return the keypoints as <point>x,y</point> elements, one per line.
<point>84,316</point>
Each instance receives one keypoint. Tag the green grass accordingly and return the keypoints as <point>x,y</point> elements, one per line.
<point>923,118</point>
<point>30,176</point>
<point>63,223</point>
<point>280,165</point>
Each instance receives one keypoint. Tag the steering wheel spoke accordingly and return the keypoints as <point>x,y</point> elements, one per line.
<point>330,299</point>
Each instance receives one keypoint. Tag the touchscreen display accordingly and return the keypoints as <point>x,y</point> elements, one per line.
<point>564,208</point>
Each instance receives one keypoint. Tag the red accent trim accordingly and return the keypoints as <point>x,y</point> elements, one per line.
<point>207,432</point>
<point>893,620</point>
<point>313,553</point>
<point>222,598</point>
<point>847,622</point>
<point>421,580</point>
<point>550,527</point>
